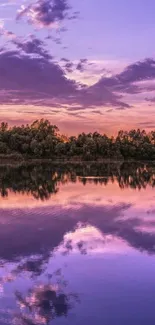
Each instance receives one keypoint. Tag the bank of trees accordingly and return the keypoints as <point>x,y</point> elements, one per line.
<point>41,140</point>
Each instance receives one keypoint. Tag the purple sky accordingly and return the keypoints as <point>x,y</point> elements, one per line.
<point>84,64</point>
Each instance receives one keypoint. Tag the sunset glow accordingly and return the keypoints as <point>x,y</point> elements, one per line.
<point>83,67</point>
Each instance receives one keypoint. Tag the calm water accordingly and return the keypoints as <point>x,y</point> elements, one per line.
<point>77,245</point>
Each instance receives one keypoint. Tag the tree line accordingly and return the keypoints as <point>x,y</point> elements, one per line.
<point>41,140</point>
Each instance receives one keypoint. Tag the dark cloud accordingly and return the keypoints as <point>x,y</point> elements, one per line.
<point>127,81</point>
<point>45,13</point>
<point>98,95</point>
<point>139,71</point>
<point>28,75</point>
<point>152,100</point>
<point>74,109</point>
<point>32,46</point>
<point>96,111</point>
<point>64,60</point>
<point>120,108</point>
<point>56,40</point>
<point>69,67</point>
<point>77,115</point>
<point>32,79</point>
<point>81,65</point>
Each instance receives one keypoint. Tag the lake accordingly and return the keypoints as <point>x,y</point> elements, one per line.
<point>77,244</point>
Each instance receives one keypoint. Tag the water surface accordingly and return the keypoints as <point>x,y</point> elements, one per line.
<point>77,245</point>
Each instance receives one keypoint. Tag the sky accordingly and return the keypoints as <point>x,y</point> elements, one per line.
<point>86,65</point>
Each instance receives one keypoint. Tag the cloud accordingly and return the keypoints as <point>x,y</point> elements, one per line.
<point>67,65</point>
<point>106,98</point>
<point>32,45</point>
<point>46,13</point>
<point>96,111</point>
<point>138,71</point>
<point>152,100</point>
<point>64,60</point>
<point>4,32</point>
<point>31,79</point>
<point>81,65</point>
<point>29,75</point>
<point>148,124</point>
<point>131,79</point>
<point>73,66</point>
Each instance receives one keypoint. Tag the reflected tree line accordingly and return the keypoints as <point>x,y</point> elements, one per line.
<point>43,180</point>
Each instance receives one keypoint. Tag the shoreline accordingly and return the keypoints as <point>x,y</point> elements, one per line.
<point>31,161</point>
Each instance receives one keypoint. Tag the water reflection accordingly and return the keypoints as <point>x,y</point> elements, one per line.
<point>45,300</point>
<point>44,303</point>
<point>38,233</point>
<point>58,223</point>
<point>41,180</point>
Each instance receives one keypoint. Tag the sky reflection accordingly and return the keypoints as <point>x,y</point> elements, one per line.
<point>85,254</point>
